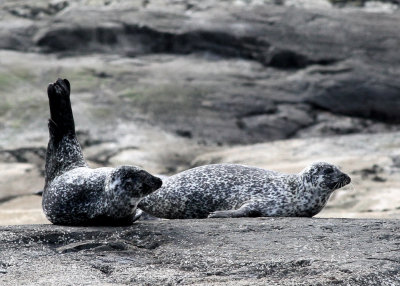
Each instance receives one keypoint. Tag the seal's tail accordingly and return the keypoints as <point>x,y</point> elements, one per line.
<point>61,120</point>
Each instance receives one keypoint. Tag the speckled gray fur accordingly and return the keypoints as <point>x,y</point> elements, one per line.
<point>228,190</point>
<point>75,194</point>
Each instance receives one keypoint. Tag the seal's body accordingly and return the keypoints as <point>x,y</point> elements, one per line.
<point>75,194</point>
<point>229,190</point>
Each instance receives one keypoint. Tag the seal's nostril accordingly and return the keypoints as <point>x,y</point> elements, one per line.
<point>347,179</point>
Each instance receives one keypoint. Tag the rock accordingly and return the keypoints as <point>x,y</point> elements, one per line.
<point>18,179</point>
<point>26,209</point>
<point>260,251</point>
<point>217,72</point>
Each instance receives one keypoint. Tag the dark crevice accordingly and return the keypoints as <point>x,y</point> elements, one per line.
<point>286,59</point>
<point>359,3</point>
<point>25,155</point>
<point>372,114</point>
<point>384,259</point>
<point>328,71</point>
<point>10,198</point>
<point>262,111</point>
<point>107,155</point>
<point>104,268</point>
<point>133,40</point>
<point>21,155</point>
<point>98,246</point>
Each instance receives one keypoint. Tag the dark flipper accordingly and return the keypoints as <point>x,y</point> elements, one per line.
<point>63,151</point>
<point>61,120</point>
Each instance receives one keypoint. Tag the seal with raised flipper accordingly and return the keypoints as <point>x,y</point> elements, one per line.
<point>231,190</point>
<point>75,194</point>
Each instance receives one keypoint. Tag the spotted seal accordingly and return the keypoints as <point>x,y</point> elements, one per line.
<point>75,194</point>
<point>230,190</point>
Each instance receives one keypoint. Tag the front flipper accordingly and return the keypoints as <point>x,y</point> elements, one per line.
<point>246,210</point>
<point>138,215</point>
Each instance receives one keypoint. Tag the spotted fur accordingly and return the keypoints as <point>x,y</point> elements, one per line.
<point>75,194</point>
<point>229,190</point>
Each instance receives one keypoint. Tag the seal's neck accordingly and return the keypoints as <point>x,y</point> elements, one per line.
<point>310,199</point>
<point>119,202</point>
<point>62,157</point>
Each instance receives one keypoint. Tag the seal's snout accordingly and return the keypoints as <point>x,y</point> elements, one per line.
<point>346,179</point>
<point>157,182</point>
<point>153,183</point>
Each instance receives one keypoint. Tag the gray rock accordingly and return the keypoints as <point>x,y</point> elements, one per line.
<point>258,61</point>
<point>263,251</point>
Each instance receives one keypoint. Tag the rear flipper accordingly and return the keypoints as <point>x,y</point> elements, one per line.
<point>61,122</point>
<point>63,151</point>
<point>246,210</point>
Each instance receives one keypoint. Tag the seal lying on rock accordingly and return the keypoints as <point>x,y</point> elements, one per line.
<point>75,194</point>
<point>228,190</point>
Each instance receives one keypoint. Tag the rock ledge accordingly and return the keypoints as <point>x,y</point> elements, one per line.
<point>261,251</point>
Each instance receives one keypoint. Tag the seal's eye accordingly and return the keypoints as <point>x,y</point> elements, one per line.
<point>328,171</point>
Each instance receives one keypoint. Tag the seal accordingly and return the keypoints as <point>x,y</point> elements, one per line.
<point>230,190</point>
<point>75,194</point>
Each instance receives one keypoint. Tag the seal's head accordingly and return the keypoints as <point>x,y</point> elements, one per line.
<point>136,182</point>
<point>324,177</point>
<point>125,187</point>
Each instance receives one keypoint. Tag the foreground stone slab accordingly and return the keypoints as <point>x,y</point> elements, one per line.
<point>260,251</point>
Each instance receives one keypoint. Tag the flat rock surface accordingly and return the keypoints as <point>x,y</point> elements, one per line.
<point>260,251</point>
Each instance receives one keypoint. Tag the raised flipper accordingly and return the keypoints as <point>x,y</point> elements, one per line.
<point>61,120</point>
<point>63,151</point>
<point>246,210</point>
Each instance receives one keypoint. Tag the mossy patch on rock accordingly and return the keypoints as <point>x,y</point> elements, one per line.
<point>165,98</point>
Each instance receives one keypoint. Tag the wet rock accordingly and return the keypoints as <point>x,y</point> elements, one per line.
<point>247,251</point>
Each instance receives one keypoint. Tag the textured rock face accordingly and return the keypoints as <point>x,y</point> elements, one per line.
<point>281,251</point>
<point>222,71</point>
